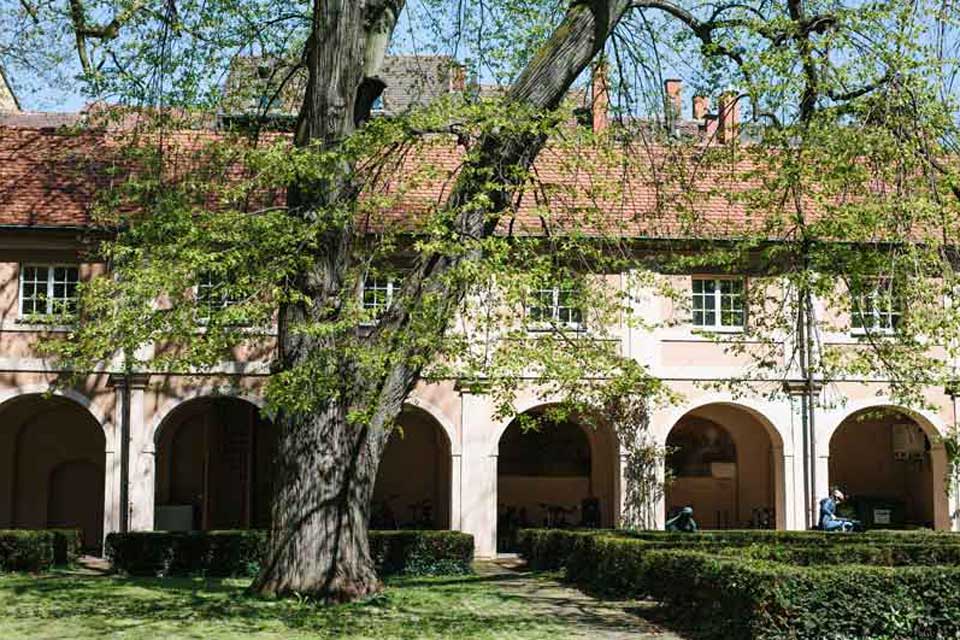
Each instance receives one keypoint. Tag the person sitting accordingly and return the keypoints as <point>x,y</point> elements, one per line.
<point>829,521</point>
<point>683,522</point>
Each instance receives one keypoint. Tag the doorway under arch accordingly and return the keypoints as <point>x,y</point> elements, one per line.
<point>722,461</point>
<point>413,483</point>
<point>886,463</point>
<point>559,474</point>
<point>52,459</point>
<point>214,466</point>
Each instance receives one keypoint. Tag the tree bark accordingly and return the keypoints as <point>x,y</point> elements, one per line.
<point>327,466</point>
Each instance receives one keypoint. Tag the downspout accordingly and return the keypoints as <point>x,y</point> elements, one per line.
<point>125,449</point>
<point>810,399</point>
<point>805,414</point>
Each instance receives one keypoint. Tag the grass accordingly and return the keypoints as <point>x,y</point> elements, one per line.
<point>63,605</point>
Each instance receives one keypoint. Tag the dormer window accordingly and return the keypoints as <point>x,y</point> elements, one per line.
<point>875,308</point>
<point>555,306</point>
<point>718,304</point>
<point>48,290</point>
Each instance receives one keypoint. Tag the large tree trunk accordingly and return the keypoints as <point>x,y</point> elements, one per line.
<point>327,466</point>
<point>319,540</point>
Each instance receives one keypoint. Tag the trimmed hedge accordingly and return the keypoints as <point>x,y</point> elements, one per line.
<point>737,537</point>
<point>736,599</point>
<point>240,553</point>
<point>550,549</point>
<point>891,586</point>
<point>163,553</point>
<point>885,554</point>
<point>67,545</point>
<point>422,553</point>
<point>38,549</point>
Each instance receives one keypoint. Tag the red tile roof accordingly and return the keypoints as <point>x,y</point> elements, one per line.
<point>50,177</point>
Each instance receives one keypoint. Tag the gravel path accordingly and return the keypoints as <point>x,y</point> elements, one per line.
<point>584,615</point>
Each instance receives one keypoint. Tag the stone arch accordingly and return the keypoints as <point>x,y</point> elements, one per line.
<point>52,463</point>
<point>732,458</point>
<point>564,474</point>
<point>214,461</point>
<point>441,419</point>
<point>172,404</point>
<point>759,410</point>
<point>887,485</point>
<point>40,389</point>
<point>414,484</point>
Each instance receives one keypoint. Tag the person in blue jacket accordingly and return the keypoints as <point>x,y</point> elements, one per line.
<point>829,521</point>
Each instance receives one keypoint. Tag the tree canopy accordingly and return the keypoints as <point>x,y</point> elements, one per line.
<point>501,242</point>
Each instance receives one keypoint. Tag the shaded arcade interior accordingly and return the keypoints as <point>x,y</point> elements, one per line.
<point>214,466</point>
<point>721,460</point>
<point>886,463</point>
<point>52,462</point>
<point>554,473</point>
<point>412,489</point>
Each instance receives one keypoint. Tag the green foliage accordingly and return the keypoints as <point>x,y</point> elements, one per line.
<point>67,545</point>
<point>422,553</point>
<point>770,584</point>
<point>741,598</point>
<point>210,553</point>
<point>241,553</point>
<point>38,550</point>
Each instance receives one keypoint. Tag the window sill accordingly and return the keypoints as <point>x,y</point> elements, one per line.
<point>710,330</point>
<point>877,333</point>
<point>32,325</point>
<point>577,328</point>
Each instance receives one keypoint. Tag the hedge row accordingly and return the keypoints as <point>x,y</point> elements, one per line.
<point>240,553</point>
<point>758,589</point>
<point>738,599</point>
<point>884,554</point>
<point>549,549</point>
<point>735,537</point>
<point>38,549</point>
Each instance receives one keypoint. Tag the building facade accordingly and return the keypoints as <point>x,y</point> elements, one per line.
<point>152,451</point>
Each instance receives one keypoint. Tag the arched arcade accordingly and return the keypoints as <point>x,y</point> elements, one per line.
<point>52,464</point>
<point>725,461</point>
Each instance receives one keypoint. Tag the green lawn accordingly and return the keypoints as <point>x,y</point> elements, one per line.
<point>71,606</point>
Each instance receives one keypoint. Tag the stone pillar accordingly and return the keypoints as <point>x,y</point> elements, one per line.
<point>478,481</point>
<point>456,475</point>
<point>807,460</point>
<point>953,390</point>
<point>139,450</point>
<point>111,475</point>
<point>955,507</point>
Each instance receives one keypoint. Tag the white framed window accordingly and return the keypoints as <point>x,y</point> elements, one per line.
<point>48,290</point>
<point>213,295</point>
<point>378,294</point>
<point>718,304</point>
<point>552,306</point>
<point>875,308</point>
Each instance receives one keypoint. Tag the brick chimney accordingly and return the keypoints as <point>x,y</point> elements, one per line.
<point>672,92</point>
<point>728,125</point>
<point>600,96</point>
<point>701,106</point>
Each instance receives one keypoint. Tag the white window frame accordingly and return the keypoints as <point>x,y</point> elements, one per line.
<point>207,281</point>
<point>546,324</point>
<point>49,297</point>
<point>391,286</point>
<point>884,321</point>
<point>718,326</point>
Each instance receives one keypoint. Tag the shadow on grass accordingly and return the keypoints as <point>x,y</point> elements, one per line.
<point>409,607</point>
